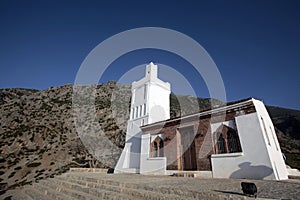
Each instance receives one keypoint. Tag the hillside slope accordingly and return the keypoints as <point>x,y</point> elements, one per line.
<point>38,137</point>
<point>286,120</point>
<point>287,123</point>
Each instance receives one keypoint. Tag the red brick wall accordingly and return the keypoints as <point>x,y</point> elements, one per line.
<point>204,143</point>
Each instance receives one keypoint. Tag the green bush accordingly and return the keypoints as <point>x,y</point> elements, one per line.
<point>35,164</point>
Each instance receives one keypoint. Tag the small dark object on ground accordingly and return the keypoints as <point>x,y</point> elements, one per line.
<point>249,189</point>
<point>110,170</point>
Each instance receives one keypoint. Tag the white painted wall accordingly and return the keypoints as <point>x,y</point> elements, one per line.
<point>274,150</point>
<point>258,159</point>
<point>151,165</point>
<point>159,102</point>
<point>150,103</point>
<point>159,110</point>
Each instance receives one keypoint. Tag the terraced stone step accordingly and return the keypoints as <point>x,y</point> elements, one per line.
<point>193,174</point>
<point>35,194</point>
<point>61,192</point>
<point>144,190</point>
<point>78,191</point>
<point>134,192</point>
<point>133,189</point>
<point>16,195</point>
<point>95,189</point>
<point>171,185</point>
<point>50,192</point>
<point>102,170</point>
<point>88,185</point>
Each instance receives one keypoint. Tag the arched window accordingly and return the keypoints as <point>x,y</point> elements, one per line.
<point>227,140</point>
<point>161,148</point>
<point>221,144</point>
<point>157,147</point>
<point>232,142</point>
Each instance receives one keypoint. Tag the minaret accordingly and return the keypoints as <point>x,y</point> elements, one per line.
<point>150,102</point>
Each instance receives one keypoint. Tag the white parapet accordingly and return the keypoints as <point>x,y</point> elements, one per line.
<point>261,156</point>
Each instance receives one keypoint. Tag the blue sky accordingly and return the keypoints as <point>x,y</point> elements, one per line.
<point>255,44</point>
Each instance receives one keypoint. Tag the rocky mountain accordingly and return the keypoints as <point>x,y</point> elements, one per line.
<point>43,133</point>
<point>286,120</point>
<point>287,125</point>
<point>38,137</point>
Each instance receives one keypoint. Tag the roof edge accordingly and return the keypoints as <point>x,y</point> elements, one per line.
<point>227,106</point>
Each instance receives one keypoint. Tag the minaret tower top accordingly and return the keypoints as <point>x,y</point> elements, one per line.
<point>151,70</point>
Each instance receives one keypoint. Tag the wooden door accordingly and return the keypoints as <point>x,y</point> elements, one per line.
<point>188,147</point>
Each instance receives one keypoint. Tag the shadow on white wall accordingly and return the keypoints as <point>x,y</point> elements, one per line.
<point>249,171</point>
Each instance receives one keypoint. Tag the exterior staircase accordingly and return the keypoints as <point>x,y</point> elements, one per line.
<point>82,185</point>
<point>97,184</point>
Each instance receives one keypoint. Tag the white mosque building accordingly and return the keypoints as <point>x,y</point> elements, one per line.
<point>236,140</point>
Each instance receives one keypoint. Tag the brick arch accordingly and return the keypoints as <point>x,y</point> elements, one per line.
<point>156,147</point>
